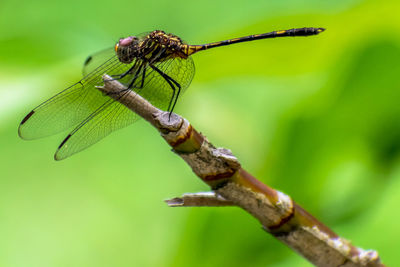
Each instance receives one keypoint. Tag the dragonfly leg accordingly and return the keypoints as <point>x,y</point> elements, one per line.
<point>171,83</point>
<point>143,77</point>
<point>176,98</point>
<point>142,66</point>
<point>129,71</point>
<point>136,76</point>
<point>131,84</point>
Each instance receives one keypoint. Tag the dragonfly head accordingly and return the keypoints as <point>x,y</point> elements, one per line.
<point>126,48</point>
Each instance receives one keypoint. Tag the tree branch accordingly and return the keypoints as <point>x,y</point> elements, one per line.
<point>203,199</point>
<point>277,212</point>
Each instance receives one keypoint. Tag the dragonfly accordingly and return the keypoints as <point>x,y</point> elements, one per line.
<point>156,65</point>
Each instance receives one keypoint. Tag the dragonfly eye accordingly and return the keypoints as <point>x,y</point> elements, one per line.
<point>126,41</point>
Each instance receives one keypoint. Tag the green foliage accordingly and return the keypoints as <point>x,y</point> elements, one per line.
<point>317,118</point>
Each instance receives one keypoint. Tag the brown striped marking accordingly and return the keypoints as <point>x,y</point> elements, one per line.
<point>282,222</point>
<point>181,139</point>
<point>219,176</point>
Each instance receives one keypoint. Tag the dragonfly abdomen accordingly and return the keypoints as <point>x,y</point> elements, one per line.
<point>306,31</point>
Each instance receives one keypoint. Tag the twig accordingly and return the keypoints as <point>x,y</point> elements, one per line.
<point>277,212</point>
<point>203,199</point>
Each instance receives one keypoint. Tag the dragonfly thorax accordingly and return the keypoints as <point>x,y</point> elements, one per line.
<point>169,41</point>
<point>156,46</point>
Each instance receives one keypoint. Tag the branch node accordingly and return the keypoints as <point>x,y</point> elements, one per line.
<point>168,122</point>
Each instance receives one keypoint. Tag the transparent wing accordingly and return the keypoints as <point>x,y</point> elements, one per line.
<point>112,115</point>
<point>71,106</point>
<point>94,61</point>
<point>158,91</point>
<point>109,117</point>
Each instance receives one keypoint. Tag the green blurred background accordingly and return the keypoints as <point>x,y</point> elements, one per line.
<point>317,118</point>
